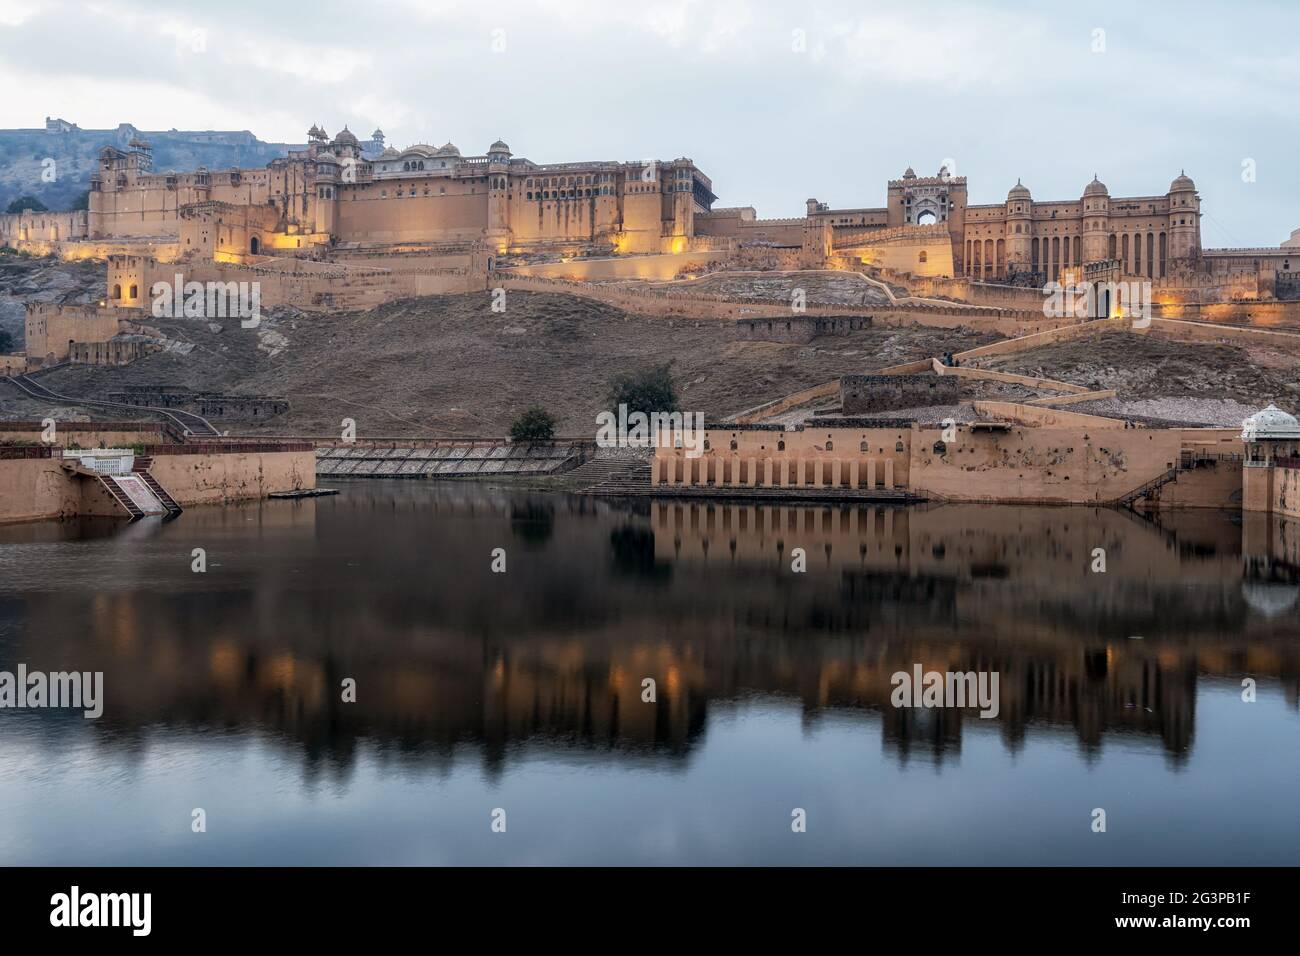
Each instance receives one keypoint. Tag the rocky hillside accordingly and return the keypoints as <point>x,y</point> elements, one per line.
<point>448,365</point>
<point>75,154</point>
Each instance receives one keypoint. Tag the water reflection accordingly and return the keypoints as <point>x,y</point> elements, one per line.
<point>391,585</point>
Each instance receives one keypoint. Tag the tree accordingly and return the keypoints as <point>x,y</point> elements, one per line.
<point>82,201</point>
<point>534,424</point>
<point>6,342</point>
<point>647,391</point>
<point>23,203</point>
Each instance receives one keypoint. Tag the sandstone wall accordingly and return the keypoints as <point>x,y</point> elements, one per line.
<point>866,394</point>
<point>88,434</point>
<point>35,488</point>
<point>194,477</point>
<point>1041,464</point>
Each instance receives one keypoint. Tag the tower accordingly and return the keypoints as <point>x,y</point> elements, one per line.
<point>327,189</point>
<point>1184,219</point>
<point>682,195</point>
<point>1096,221</point>
<point>1019,235</point>
<point>498,216</point>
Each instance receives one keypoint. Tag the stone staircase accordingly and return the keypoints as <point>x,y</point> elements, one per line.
<point>611,476</point>
<point>141,469</point>
<point>121,496</point>
<point>1144,490</point>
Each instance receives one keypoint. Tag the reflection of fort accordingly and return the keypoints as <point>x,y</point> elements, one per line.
<point>391,586</point>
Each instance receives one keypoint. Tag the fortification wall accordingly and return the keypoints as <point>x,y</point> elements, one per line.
<point>659,267</point>
<point>373,212</point>
<point>867,394</point>
<point>303,283</point>
<point>1258,314</point>
<point>19,228</point>
<point>193,476</point>
<point>1041,464</point>
<point>799,329</point>
<point>35,488</point>
<point>51,328</point>
<point>89,434</point>
<point>740,225</point>
<point>923,255</point>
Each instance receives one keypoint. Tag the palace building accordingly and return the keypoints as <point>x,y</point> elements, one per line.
<point>363,201</point>
<point>331,193</point>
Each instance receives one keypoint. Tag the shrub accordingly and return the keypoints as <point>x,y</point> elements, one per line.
<point>648,391</point>
<point>534,424</point>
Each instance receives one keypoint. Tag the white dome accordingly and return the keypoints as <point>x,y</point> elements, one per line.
<point>1272,424</point>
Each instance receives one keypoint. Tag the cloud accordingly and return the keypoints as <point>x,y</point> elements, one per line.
<point>776,101</point>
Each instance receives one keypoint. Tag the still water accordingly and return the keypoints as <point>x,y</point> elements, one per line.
<point>522,691</point>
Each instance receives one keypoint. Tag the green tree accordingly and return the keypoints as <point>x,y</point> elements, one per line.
<point>650,390</point>
<point>82,201</point>
<point>26,202</point>
<point>534,424</point>
<point>6,342</point>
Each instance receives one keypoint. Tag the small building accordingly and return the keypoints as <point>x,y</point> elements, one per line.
<point>1270,478</point>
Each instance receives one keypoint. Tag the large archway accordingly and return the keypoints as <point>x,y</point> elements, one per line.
<point>927,218</point>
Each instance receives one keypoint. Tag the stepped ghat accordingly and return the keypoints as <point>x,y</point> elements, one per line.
<point>39,481</point>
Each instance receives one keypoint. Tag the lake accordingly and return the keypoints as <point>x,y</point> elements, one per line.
<point>514,700</point>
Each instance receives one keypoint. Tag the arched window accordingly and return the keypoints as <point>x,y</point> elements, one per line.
<point>921,257</point>
<point>780,446</point>
<point>862,447</point>
<point>117,291</point>
<point>135,291</point>
<point>898,446</point>
<point>830,445</point>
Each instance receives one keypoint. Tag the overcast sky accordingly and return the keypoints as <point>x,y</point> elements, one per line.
<point>776,101</point>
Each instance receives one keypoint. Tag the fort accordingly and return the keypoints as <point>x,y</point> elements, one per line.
<point>342,224</point>
<point>361,206</point>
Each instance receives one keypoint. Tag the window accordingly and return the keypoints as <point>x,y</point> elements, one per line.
<point>898,446</point>
<point>862,447</point>
<point>780,446</point>
<point>921,257</point>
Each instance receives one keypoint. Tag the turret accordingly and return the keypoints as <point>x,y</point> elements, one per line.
<point>328,172</point>
<point>1020,228</point>
<point>1096,221</point>
<point>1184,219</point>
<point>498,230</point>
